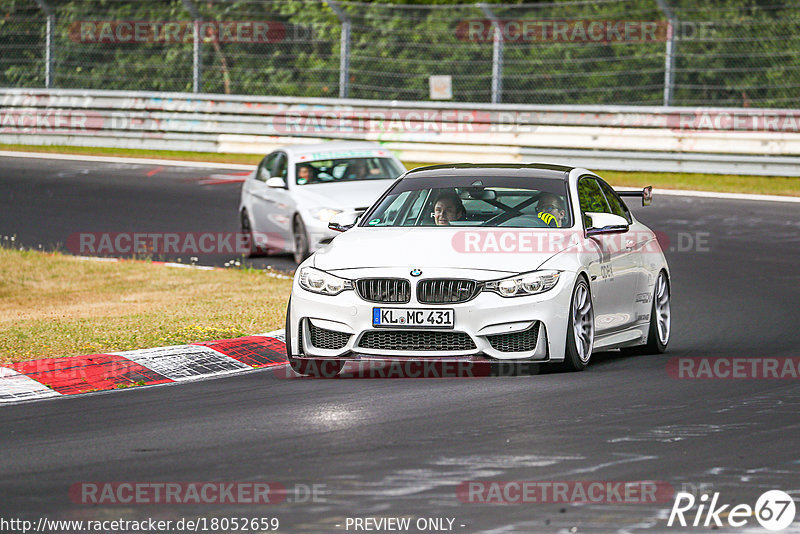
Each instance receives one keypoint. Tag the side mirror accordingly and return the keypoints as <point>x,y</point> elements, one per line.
<point>606,223</point>
<point>276,182</point>
<point>342,222</point>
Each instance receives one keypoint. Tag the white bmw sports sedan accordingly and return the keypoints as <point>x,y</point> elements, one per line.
<point>287,202</point>
<point>521,263</point>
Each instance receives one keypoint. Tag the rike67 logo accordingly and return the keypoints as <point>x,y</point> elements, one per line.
<point>774,510</point>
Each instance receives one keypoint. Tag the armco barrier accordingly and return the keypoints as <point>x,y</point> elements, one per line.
<point>710,140</point>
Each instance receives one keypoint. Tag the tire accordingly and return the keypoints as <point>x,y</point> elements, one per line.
<point>300,238</point>
<point>660,320</point>
<point>303,367</point>
<point>253,250</point>
<point>580,328</point>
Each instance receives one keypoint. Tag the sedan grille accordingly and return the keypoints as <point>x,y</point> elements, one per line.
<point>447,291</point>
<point>524,341</point>
<point>323,338</point>
<point>392,290</point>
<point>416,340</point>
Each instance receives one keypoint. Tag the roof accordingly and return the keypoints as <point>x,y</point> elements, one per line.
<point>530,170</point>
<point>331,147</point>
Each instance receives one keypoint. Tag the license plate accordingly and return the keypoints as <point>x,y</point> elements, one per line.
<point>405,317</point>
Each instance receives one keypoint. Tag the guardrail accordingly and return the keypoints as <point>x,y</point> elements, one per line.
<point>709,140</point>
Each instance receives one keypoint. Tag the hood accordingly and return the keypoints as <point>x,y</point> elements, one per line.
<point>490,249</point>
<point>341,195</point>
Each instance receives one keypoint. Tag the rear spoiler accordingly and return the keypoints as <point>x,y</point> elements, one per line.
<point>646,194</point>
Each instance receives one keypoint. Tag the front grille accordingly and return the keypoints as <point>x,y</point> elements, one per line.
<point>393,290</point>
<point>446,291</point>
<point>524,341</point>
<point>416,340</point>
<point>323,338</point>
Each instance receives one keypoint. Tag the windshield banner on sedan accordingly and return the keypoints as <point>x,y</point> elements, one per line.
<point>340,154</point>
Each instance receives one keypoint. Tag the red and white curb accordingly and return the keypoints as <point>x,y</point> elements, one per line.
<point>55,377</point>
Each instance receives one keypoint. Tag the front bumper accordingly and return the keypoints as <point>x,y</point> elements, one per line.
<point>531,328</point>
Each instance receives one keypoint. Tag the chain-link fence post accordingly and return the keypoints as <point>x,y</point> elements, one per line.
<point>344,49</point>
<point>50,44</point>
<point>669,59</point>
<point>197,60</point>
<point>497,55</point>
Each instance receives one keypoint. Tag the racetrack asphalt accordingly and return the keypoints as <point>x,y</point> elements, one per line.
<point>47,201</point>
<point>401,447</point>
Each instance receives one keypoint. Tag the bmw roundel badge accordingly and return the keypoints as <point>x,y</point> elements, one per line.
<point>416,272</point>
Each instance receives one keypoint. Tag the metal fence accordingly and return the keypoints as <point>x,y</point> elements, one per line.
<point>626,52</point>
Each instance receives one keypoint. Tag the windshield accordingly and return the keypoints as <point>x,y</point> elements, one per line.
<point>475,201</point>
<point>347,170</point>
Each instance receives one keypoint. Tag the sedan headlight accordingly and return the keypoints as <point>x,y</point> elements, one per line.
<point>523,284</point>
<point>324,214</point>
<point>323,283</point>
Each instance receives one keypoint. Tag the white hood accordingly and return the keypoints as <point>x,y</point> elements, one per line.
<point>435,247</point>
<point>341,195</point>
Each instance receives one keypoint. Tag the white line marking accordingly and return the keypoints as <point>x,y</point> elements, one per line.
<point>139,161</point>
<point>190,266</point>
<point>15,386</point>
<point>722,196</point>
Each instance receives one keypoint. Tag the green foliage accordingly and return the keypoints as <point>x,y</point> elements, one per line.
<point>729,52</point>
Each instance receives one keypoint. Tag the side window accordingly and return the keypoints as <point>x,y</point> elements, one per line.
<point>280,168</point>
<point>263,172</point>
<point>618,207</point>
<point>591,197</point>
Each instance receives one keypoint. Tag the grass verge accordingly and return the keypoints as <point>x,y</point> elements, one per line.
<point>726,183</point>
<point>54,305</point>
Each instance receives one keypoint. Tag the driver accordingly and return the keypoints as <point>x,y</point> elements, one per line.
<point>448,207</point>
<point>550,209</point>
<point>305,174</point>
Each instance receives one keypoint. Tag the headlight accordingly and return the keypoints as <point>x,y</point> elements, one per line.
<point>323,283</point>
<point>324,214</point>
<point>523,284</point>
